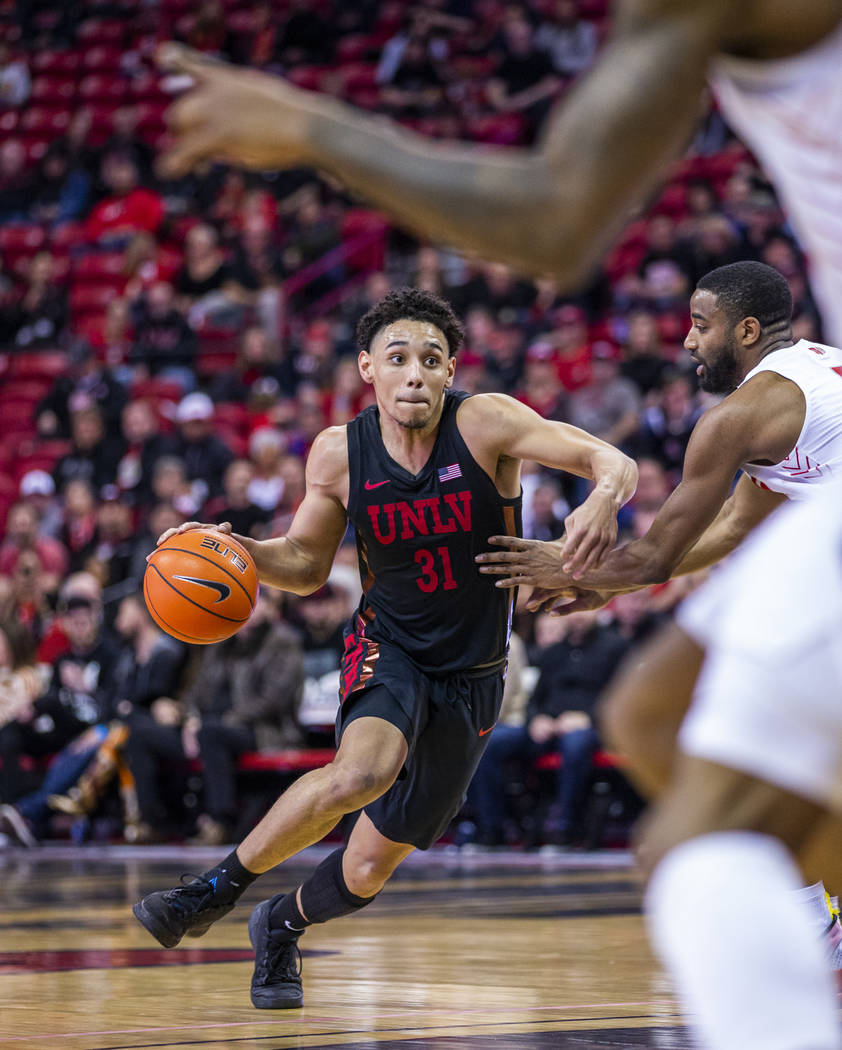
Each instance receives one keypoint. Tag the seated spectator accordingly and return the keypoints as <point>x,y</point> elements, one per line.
<point>79,532</point>
<point>128,207</point>
<point>145,444</point>
<point>21,683</point>
<point>53,642</point>
<point>569,39</point>
<point>205,456</point>
<point>244,697</point>
<point>415,88</point>
<point>716,243</point>
<point>266,449</point>
<point>86,381</point>
<point>164,343</point>
<point>112,337</point>
<point>38,315</point>
<point>206,286</point>
<point>702,203</point>
<point>576,658</point>
<point>15,183</point>
<point>75,700</point>
<point>257,267</point>
<point>162,516</point>
<point>146,263</point>
<point>235,505</point>
<point>15,83</point>
<point>38,489</point>
<point>525,82</point>
<point>147,671</point>
<point>609,405</point>
<point>314,233</point>
<point>307,36</point>
<point>542,389</point>
<point>170,485</point>
<point>666,271</point>
<point>94,455</point>
<point>572,343</point>
<point>644,361</point>
<point>348,395</point>
<point>125,141</point>
<point>61,193</point>
<point>313,358</point>
<point>23,534</point>
<point>112,558</point>
<point>208,31</point>
<point>260,50</point>
<point>32,591</point>
<point>667,423</point>
<point>257,360</point>
<point>546,512</point>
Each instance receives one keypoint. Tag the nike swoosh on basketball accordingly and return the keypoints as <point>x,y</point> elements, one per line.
<point>222,589</point>
<point>376,484</point>
<point>485,732</point>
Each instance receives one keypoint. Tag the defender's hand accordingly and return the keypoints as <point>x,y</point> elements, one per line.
<point>234,115</point>
<point>525,562</point>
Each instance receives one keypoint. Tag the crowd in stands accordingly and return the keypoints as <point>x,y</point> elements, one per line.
<point>170,349</point>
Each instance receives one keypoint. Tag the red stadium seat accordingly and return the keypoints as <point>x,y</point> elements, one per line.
<point>40,122</point>
<point>103,89</point>
<point>499,129</point>
<point>21,238</point>
<point>25,389</point>
<point>90,299</point>
<point>103,268</point>
<point>67,236</point>
<point>56,63</point>
<point>156,390</point>
<point>359,75</point>
<point>102,59</point>
<point>147,88</point>
<point>102,31</point>
<point>8,122</point>
<point>54,90</point>
<point>233,416</point>
<point>35,150</point>
<point>37,364</point>
<point>18,416</point>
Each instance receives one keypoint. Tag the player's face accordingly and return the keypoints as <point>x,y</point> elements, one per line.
<point>410,368</point>
<point>712,343</point>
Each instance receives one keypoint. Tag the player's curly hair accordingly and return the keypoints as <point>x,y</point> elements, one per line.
<point>751,289</point>
<point>411,304</point>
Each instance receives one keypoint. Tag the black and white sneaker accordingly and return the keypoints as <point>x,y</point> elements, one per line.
<point>276,983</point>
<point>15,826</point>
<point>187,909</point>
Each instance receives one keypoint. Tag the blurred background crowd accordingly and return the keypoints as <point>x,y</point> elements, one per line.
<point>169,350</point>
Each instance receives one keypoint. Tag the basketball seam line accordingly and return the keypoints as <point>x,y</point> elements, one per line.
<point>216,564</point>
<point>182,636</point>
<point>210,612</point>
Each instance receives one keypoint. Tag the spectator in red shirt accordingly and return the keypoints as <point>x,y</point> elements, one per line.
<point>570,338</point>
<point>129,208</point>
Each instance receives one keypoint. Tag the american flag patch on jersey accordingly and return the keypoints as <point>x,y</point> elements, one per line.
<point>450,473</point>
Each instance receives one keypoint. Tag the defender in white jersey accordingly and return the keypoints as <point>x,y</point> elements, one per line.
<point>755,798</point>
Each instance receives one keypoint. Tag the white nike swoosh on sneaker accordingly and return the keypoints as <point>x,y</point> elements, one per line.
<point>295,929</point>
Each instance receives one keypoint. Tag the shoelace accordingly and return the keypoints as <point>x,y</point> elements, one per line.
<point>274,960</point>
<point>196,890</point>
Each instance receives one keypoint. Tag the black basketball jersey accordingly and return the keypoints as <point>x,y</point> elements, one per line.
<point>417,536</point>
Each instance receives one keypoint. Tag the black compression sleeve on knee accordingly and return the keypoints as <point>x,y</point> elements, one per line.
<point>325,894</point>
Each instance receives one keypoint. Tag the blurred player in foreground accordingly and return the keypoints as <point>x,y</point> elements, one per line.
<point>757,785</point>
<point>774,67</point>
<point>423,477</point>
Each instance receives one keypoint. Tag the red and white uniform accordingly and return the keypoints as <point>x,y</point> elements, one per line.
<point>789,113</point>
<point>768,700</point>
<point>817,456</point>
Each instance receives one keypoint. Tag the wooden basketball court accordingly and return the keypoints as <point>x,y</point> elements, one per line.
<point>486,952</point>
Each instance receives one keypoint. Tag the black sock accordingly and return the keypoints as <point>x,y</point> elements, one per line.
<point>230,879</point>
<point>324,896</point>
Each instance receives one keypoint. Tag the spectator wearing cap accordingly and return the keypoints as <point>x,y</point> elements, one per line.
<point>86,381</point>
<point>38,316</point>
<point>609,405</point>
<point>206,456</point>
<point>235,505</point>
<point>93,456</point>
<point>128,207</point>
<point>38,489</point>
<point>164,343</point>
<point>23,534</point>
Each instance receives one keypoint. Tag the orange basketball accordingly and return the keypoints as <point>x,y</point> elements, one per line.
<point>200,586</point>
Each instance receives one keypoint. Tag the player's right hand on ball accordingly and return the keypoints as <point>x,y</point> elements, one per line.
<point>224,527</point>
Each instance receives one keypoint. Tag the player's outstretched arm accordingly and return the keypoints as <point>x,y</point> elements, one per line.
<point>723,439</point>
<point>519,433</point>
<point>301,561</point>
<point>553,209</point>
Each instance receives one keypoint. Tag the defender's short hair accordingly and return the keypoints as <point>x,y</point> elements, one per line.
<point>750,289</point>
<point>411,304</point>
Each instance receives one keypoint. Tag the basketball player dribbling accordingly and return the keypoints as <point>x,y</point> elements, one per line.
<point>555,209</point>
<point>756,787</point>
<point>423,477</point>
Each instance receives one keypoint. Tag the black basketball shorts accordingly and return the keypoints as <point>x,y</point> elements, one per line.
<point>446,722</point>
